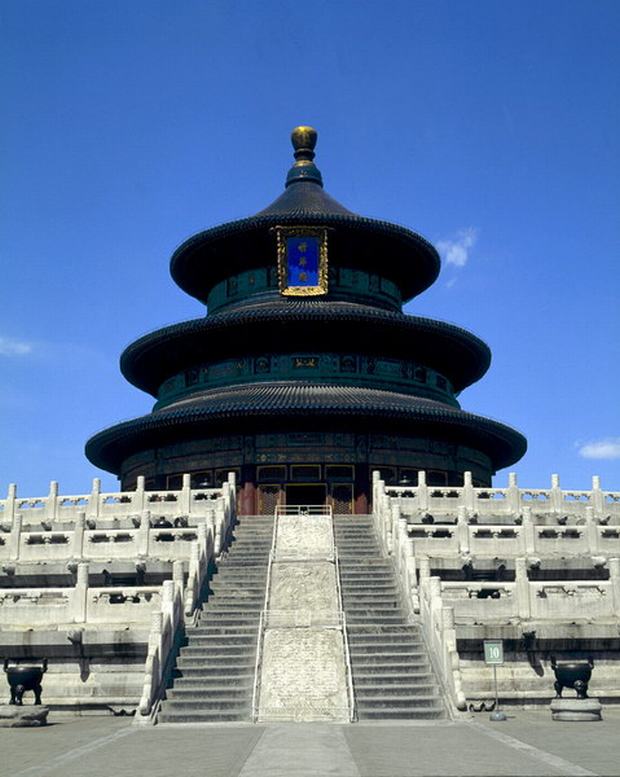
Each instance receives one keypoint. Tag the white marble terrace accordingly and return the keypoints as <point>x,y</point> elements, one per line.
<point>425,526</point>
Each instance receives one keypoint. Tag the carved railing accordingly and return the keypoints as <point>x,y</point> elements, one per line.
<point>488,502</point>
<point>61,509</point>
<point>167,623</point>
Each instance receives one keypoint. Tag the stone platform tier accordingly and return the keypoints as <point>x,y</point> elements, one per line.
<point>392,674</point>
<point>214,675</point>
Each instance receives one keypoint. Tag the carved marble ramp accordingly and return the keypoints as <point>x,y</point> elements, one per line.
<point>303,672</point>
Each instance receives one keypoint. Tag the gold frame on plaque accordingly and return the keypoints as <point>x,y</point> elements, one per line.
<point>301,291</point>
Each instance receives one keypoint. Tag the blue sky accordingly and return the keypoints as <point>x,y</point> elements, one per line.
<point>490,127</point>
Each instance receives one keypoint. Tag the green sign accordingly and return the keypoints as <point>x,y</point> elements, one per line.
<point>493,651</point>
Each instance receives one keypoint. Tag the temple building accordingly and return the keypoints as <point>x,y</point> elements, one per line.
<point>305,375</point>
<point>306,528</point>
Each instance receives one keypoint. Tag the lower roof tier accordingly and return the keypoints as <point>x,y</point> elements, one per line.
<point>252,407</point>
<point>290,324</point>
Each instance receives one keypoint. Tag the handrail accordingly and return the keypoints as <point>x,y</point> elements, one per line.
<point>345,640</point>
<point>257,668</point>
<point>261,621</point>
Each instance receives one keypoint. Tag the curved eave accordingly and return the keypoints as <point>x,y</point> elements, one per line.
<point>257,406</point>
<point>459,355</point>
<point>210,256</point>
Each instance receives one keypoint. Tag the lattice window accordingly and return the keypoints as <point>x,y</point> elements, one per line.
<point>269,497</point>
<point>342,498</point>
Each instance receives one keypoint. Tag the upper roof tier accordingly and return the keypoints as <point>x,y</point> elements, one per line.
<point>400,255</point>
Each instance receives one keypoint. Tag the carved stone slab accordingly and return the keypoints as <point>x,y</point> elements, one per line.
<point>303,675</point>
<point>304,586</point>
<point>304,537</point>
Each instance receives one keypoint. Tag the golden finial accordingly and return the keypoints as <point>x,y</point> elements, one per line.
<point>304,139</point>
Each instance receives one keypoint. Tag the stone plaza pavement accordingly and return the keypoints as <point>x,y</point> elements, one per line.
<point>528,743</point>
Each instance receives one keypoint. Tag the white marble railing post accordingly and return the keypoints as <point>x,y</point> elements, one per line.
<point>614,578</point>
<point>143,534</point>
<point>15,537</point>
<point>529,531</point>
<point>185,500</point>
<point>422,491</point>
<point>93,502</point>
<point>177,573</point>
<point>51,505</point>
<point>557,498</point>
<point>522,589</point>
<point>468,492</point>
<point>597,499</point>
<point>425,568</point>
<point>140,495</point>
<point>80,594</point>
<point>514,495</point>
<point>9,505</point>
<point>592,535</point>
<point>462,530</point>
<point>77,542</point>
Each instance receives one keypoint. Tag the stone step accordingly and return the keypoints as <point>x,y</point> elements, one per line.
<point>195,656</point>
<point>233,640</point>
<point>395,701</point>
<point>189,716</point>
<point>206,705</point>
<point>243,684</point>
<point>385,642</point>
<point>229,648</point>
<point>413,713</point>
<point>366,678</point>
<point>194,668</point>
<point>370,690</point>
<point>354,618</point>
<point>237,619</point>
<point>199,694</point>
<point>409,666</point>
<point>372,630</point>
<point>363,658</point>
<point>205,628</point>
<point>207,674</point>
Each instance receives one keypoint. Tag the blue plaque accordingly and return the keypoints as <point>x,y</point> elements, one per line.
<point>302,260</point>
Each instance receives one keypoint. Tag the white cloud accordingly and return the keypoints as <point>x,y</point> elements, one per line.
<point>456,252</point>
<point>11,347</point>
<point>601,449</point>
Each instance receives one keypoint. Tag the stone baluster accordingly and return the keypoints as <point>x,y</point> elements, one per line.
<point>185,497</point>
<point>94,505</point>
<point>15,537</point>
<point>468,492</point>
<point>514,495</point>
<point>80,594</point>
<point>522,589</point>
<point>393,527</point>
<point>529,531</point>
<point>51,505</point>
<point>591,530</point>
<point>139,499</point>
<point>614,578</point>
<point>557,498</point>
<point>598,498</point>
<point>144,534</point>
<point>462,530</point>
<point>77,545</point>
<point>178,575</point>
<point>422,492</point>
<point>425,568</point>
<point>9,506</point>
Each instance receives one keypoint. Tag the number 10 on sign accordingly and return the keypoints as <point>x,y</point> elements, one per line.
<point>494,655</point>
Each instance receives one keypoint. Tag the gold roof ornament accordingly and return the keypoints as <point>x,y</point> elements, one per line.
<point>304,140</point>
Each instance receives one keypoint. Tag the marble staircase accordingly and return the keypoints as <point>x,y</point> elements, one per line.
<point>214,676</point>
<point>392,674</point>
